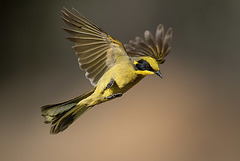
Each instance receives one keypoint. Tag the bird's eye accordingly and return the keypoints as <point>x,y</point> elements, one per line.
<point>147,66</point>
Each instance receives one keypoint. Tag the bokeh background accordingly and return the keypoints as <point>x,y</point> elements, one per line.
<point>192,114</point>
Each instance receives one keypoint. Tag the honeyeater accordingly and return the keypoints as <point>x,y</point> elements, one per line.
<point>111,67</point>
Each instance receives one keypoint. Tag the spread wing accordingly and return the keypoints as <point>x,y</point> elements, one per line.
<point>157,49</point>
<point>95,49</point>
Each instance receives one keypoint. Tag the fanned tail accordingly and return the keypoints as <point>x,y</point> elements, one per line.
<point>63,114</point>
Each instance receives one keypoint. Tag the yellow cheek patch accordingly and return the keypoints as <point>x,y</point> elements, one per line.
<point>144,72</point>
<point>135,62</point>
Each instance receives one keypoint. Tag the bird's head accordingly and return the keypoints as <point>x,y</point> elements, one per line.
<point>148,54</point>
<point>147,66</point>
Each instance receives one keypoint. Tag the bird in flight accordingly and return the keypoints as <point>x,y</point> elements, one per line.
<point>111,67</point>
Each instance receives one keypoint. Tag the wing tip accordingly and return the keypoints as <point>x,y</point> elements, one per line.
<point>159,47</point>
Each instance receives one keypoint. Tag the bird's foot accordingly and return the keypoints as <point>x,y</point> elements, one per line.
<point>114,96</point>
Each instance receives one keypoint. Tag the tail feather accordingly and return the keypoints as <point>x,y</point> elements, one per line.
<point>63,114</point>
<point>68,118</point>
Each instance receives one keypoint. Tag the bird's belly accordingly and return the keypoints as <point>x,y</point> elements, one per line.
<point>116,89</point>
<point>124,77</point>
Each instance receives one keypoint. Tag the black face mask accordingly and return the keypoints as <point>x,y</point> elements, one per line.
<point>144,65</point>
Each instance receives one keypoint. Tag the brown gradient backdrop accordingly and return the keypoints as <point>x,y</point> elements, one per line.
<point>192,114</point>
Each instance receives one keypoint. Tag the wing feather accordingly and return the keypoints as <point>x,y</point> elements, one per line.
<point>75,25</point>
<point>90,68</point>
<point>96,72</point>
<point>78,22</point>
<point>158,48</point>
<point>141,46</point>
<point>99,75</point>
<point>84,40</point>
<point>79,33</point>
<point>92,53</point>
<point>92,45</point>
<point>151,44</point>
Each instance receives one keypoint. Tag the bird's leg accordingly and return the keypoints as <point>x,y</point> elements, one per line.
<point>114,96</point>
<point>109,85</point>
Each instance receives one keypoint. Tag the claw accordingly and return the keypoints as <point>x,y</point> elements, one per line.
<point>114,96</point>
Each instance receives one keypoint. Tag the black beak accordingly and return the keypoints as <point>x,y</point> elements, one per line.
<point>158,73</point>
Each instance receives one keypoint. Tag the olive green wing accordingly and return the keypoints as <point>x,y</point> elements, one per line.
<point>158,48</point>
<point>95,49</point>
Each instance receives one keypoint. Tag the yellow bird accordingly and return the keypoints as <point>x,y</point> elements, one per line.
<point>111,67</point>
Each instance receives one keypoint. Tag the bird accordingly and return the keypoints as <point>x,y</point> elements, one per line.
<point>111,67</point>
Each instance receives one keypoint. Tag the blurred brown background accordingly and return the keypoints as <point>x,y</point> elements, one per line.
<point>192,114</point>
